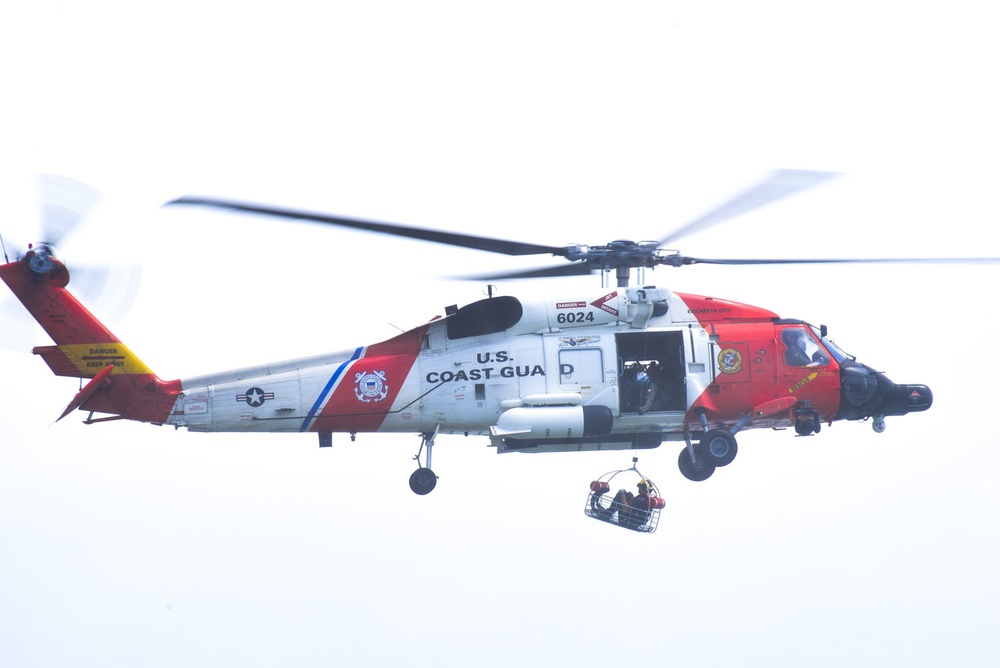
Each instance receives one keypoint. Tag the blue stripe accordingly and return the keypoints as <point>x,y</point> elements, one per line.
<point>326,390</point>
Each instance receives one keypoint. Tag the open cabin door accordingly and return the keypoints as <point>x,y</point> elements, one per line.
<point>651,372</point>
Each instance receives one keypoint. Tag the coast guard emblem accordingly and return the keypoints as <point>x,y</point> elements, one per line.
<point>730,361</point>
<point>370,386</point>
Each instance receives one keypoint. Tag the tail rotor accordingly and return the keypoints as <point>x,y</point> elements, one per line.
<point>65,205</point>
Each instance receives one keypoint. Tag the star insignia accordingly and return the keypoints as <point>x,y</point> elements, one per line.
<point>255,397</point>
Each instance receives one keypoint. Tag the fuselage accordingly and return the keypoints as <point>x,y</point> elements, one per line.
<point>554,375</point>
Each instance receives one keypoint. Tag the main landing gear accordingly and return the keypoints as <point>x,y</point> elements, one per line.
<point>717,447</point>
<point>423,480</point>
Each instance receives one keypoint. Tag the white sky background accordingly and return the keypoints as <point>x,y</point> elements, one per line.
<point>126,544</point>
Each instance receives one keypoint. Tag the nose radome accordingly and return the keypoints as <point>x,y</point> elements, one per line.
<point>919,397</point>
<point>900,399</point>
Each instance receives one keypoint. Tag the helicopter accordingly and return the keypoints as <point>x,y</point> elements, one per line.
<point>624,367</point>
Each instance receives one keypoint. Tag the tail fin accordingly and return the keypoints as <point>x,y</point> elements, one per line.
<point>84,348</point>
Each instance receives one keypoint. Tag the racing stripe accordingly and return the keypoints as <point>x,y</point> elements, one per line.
<point>329,387</point>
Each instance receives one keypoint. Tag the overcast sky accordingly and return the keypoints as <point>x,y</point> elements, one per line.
<point>551,122</point>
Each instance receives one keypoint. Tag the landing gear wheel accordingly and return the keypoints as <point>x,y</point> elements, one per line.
<point>807,427</point>
<point>423,481</point>
<point>719,446</point>
<point>698,470</point>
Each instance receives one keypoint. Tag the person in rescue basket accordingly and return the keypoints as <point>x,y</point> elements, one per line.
<point>633,509</point>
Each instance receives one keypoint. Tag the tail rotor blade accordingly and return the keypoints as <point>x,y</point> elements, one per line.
<point>65,203</point>
<point>109,289</point>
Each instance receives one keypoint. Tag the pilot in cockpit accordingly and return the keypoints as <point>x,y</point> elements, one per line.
<point>801,349</point>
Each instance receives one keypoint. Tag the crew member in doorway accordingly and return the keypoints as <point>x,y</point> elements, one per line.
<point>649,391</point>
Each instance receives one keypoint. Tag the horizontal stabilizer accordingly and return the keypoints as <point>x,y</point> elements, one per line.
<point>86,360</point>
<point>58,361</point>
<point>99,381</point>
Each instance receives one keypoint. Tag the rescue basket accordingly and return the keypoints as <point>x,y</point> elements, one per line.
<point>637,512</point>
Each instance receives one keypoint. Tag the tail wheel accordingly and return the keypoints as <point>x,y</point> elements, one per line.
<point>698,470</point>
<point>719,446</point>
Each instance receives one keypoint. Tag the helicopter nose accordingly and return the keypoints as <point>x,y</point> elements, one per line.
<point>865,392</point>
<point>908,399</point>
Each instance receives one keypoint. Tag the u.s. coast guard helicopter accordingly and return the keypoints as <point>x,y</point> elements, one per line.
<point>618,368</point>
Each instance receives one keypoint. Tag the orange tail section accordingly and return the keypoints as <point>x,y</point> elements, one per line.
<point>84,348</point>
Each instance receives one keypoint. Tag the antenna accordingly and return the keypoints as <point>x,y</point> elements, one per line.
<point>4,246</point>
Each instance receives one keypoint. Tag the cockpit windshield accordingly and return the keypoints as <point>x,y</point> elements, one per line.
<point>835,350</point>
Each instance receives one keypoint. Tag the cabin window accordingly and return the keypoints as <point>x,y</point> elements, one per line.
<point>581,366</point>
<point>487,316</point>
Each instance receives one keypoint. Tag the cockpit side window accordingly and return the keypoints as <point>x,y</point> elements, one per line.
<point>801,349</point>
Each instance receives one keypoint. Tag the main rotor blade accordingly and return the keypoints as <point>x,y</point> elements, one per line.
<point>575,269</point>
<point>883,260</point>
<point>438,236</point>
<point>781,183</point>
